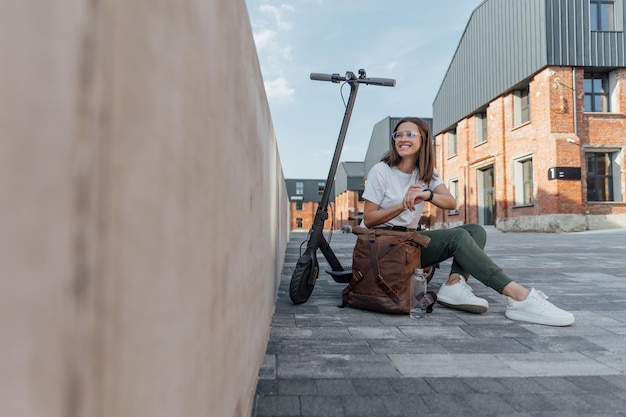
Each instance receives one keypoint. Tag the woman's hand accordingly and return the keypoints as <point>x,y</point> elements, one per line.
<point>415,195</point>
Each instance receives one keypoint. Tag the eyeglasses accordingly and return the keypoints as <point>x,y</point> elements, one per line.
<point>411,134</point>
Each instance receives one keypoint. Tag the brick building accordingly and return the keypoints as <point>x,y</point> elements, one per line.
<point>349,186</point>
<point>530,119</point>
<point>304,198</point>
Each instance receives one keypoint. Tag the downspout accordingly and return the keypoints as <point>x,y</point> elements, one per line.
<point>575,102</point>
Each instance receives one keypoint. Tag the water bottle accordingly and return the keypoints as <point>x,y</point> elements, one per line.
<point>417,293</point>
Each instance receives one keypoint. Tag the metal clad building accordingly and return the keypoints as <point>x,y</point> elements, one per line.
<point>349,177</point>
<point>507,41</point>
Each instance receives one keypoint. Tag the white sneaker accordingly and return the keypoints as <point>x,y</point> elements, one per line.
<point>461,297</point>
<point>537,309</point>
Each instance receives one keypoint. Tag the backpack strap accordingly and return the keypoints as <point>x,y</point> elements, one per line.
<point>379,278</point>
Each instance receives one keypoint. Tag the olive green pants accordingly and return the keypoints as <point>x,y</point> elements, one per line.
<point>464,244</point>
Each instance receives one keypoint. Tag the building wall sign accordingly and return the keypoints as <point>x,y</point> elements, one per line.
<point>564,173</point>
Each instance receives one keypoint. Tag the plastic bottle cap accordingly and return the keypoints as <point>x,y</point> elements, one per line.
<point>419,271</point>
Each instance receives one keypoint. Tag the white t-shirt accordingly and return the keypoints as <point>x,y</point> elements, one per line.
<point>386,187</point>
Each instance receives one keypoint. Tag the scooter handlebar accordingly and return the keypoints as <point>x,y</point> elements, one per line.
<point>385,82</point>
<point>336,78</point>
<point>315,76</point>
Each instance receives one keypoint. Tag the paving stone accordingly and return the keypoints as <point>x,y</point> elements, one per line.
<point>321,346</point>
<point>521,385</point>
<point>450,404</point>
<point>267,387</point>
<point>268,369</point>
<point>405,405</point>
<point>452,332</point>
<point>500,331</point>
<point>359,406</point>
<point>450,385</point>
<point>487,404</point>
<point>594,384</point>
<point>490,345</point>
<point>322,360</point>
<point>322,406</point>
<point>559,385</point>
<point>309,332</point>
<point>275,406</point>
<point>615,361</point>
<point>342,387</point>
<point>532,403</point>
<point>411,386</point>
<point>451,365</point>
<point>373,386</point>
<point>405,346</point>
<point>560,344</point>
<point>555,364</point>
<point>290,387</point>
<point>617,380</point>
<point>378,332</point>
<point>336,366</point>
<point>485,385</point>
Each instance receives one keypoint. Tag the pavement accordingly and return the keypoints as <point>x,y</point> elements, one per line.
<point>322,360</point>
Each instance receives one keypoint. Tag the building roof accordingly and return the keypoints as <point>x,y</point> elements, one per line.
<point>354,169</point>
<point>505,42</point>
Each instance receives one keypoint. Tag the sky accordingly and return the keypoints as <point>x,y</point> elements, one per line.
<point>411,41</point>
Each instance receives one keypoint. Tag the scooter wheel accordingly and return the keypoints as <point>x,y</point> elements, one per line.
<point>302,282</point>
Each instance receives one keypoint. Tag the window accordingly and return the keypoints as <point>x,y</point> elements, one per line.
<point>299,205</point>
<point>523,172</point>
<point>299,222</point>
<point>602,15</point>
<point>320,187</point>
<point>481,127</point>
<point>452,142</point>
<point>454,190</point>
<point>596,92</point>
<point>522,106</point>
<point>600,176</point>
<point>299,188</point>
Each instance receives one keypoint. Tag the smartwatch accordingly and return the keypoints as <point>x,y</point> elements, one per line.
<point>430,198</point>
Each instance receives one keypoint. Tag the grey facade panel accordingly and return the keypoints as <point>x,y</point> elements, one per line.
<point>349,176</point>
<point>379,142</point>
<point>571,42</point>
<point>356,184</point>
<point>503,42</point>
<point>507,41</point>
<point>310,190</point>
<point>341,180</point>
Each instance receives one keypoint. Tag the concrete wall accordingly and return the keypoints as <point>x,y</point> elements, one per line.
<point>143,208</point>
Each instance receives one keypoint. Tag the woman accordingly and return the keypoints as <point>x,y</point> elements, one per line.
<point>395,192</point>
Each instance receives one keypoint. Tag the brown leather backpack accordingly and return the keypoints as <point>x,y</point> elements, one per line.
<point>382,264</point>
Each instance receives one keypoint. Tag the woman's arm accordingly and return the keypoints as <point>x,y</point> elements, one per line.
<point>373,216</point>
<point>441,197</point>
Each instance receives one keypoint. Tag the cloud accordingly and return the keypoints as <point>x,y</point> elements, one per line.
<point>264,37</point>
<point>278,14</point>
<point>271,27</point>
<point>391,65</point>
<point>279,89</point>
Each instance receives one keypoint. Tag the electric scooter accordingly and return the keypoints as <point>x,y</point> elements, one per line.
<point>307,269</point>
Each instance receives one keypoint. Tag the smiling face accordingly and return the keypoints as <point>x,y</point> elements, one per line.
<point>404,143</point>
